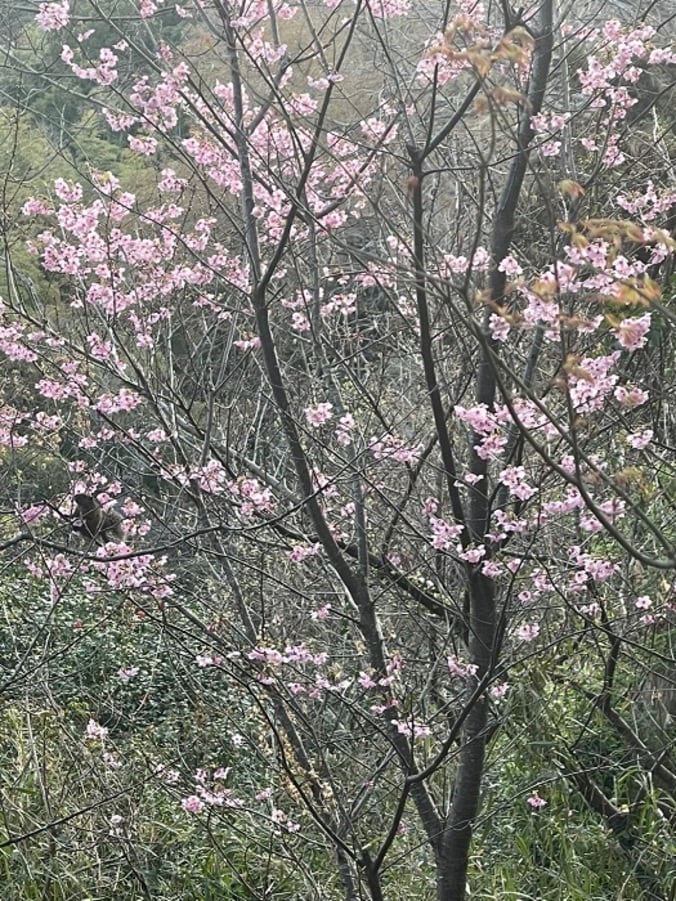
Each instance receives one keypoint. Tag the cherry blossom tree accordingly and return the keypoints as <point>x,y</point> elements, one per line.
<point>375,362</point>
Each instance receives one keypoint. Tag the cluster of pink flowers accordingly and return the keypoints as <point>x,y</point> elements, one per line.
<point>591,382</point>
<point>255,497</point>
<point>443,534</point>
<point>485,425</point>
<point>346,425</point>
<point>345,304</point>
<point>210,791</point>
<point>529,631</point>
<point>632,332</point>
<point>606,78</point>
<point>53,16</point>
<point>387,9</point>
<point>283,823</point>
<point>321,613</point>
<point>301,552</point>
<point>648,203</point>
<point>414,729</point>
<point>318,415</point>
<point>144,573</point>
<point>105,73</point>
<point>391,447</point>
<point>460,670</point>
<point>95,731</point>
<point>295,654</point>
<point>514,478</point>
<point>499,690</point>
<point>472,554</point>
<point>640,440</point>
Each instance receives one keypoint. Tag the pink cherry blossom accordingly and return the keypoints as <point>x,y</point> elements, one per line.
<point>443,533</point>
<point>302,552</point>
<point>207,660</point>
<point>321,613</point>
<point>412,730</point>
<point>632,332</point>
<point>500,327</point>
<point>145,145</point>
<point>316,416</point>
<point>53,16</point>
<point>344,429</point>
<point>248,343</point>
<point>499,690</point>
<point>630,397</point>
<point>147,8</point>
<point>510,266</point>
<point>125,675</point>
<point>392,447</point>
<point>514,477</point>
<point>95,731</point>
<point>460,670</point>
<point>472,555</point>
<point>529,631</point>
<point>640,440</point>
<point>192,804</point>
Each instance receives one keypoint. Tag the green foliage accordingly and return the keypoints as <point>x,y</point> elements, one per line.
<point>564,851</point>
<point>60,669</point>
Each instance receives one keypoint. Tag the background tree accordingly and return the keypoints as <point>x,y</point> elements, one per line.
<point>374,352</point>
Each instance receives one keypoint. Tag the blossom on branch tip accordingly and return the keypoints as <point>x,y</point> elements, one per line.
<point>248,343</point>
<point>344,429</point>
<point>53,16</point>
<point>460,670</point>
<point>499,690</point>
<point>318,415</point>
<point>514,478</point>
<point>321,613</point>
<point>632,332</point>
<point>95,731</point>
<point>412,730</point>
<point>125,675</point>
<point>510,266</point>
<point>192,804</point>
<point>640,440</point>
<point>443,533</point>
<point>472,555</point>
<point>206,660</point>
<point>389,446</point>
<point>529,631</point>
<point>630,396</point>
<point>144,145</point>
<point>301,552</point>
